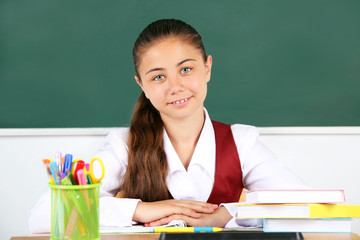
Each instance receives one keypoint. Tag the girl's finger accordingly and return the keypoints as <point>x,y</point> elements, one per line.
<point>199,207</point>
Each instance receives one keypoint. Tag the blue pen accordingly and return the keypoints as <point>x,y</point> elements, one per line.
<point>67,163</point>
<point>55,173</point>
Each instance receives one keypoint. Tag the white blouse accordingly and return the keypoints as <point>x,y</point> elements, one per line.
<point>261,169</point>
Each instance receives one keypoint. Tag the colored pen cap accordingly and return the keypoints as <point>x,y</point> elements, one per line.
<point>46,161</point>
<point>79,166</point>
<point>87,167</point>
<point>67,163</point>
<point>88,178</point>
<point>55,173</point>
<point>68,156</point>
<point>81,177</point>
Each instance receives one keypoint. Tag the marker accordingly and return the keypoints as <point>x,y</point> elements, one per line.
<point>55,173</point>
<point>48,170</point>
<point>81,177</point>
<point>88,178</point>
<point>73,182</point>
<point>186,229</point>
<point>79,165</point>
<point>67,163</point>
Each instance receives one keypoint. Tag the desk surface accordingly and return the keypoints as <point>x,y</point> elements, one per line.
<point>155,236</point>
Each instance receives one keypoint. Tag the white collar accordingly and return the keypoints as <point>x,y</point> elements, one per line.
<point>204,154</point>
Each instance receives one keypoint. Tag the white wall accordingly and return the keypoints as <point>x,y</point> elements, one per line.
<point>324,157</point>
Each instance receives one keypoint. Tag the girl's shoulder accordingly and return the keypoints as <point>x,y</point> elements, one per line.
<point>244,130</point>
<point>117,135</point>
<point>115,143</point>
<point>245,137</point>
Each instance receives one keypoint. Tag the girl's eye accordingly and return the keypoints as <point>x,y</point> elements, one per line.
<point>159,77</point>
<point>185,70</point>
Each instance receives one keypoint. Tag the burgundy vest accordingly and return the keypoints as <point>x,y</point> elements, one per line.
<point>228,183</point>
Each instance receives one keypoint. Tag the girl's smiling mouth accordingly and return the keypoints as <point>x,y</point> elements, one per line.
<point>180,102</point>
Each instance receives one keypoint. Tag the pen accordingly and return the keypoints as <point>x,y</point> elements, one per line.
<point>79,165</point>
<point>58,161</point>
<point>67,163</point>
<point>81,177</point>
<point>186,229</point>
<point>55,173</point>
<point>48,170</point>
<point>88,179</point>
<point>71,177</point>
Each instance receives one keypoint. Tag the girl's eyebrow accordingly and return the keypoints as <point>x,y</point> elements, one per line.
<point>162,69</point>
<point>184,61</point>
<point>155,69</point>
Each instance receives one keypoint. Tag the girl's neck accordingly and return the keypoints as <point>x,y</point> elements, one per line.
<point>184,135</point>
<point>180,130</point>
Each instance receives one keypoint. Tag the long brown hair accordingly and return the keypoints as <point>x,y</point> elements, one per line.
<point>145,177</point>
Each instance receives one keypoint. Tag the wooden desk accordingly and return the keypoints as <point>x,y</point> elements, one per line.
<point>155,236</point>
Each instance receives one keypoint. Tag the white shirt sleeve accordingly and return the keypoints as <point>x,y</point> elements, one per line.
<point>115,211</point>
<point>39,218</point>
<point>261,169</point>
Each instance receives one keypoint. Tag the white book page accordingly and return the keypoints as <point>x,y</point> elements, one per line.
<point>139,228</point>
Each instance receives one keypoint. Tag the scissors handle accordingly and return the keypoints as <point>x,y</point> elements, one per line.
<point>74,164</point>
<point>91,171</point>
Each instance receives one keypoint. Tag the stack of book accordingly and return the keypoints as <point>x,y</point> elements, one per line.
<point>308,210</point>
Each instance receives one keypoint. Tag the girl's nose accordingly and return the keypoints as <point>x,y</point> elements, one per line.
<point>175,85</point>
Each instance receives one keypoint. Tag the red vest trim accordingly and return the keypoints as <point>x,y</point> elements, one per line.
<point>228,183</point>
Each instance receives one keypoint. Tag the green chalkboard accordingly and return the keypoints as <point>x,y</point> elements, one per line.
<point>275,62</point>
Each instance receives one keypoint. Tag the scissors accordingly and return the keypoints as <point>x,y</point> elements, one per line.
<point>78,164</point>
<point>93,178</point>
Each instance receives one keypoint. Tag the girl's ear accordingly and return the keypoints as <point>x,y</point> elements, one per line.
<point>138,81</point>
<point>208,65</point>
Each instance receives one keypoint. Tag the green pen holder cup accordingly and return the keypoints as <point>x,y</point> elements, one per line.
<point>75,212</point>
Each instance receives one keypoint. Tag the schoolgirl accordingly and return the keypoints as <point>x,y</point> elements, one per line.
<point>174,162</point>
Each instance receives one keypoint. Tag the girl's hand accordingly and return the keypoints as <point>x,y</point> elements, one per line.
<point>147,212</point>
<point>219,218</point>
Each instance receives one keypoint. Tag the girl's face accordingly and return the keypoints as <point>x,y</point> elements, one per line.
<point>174,78</point>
